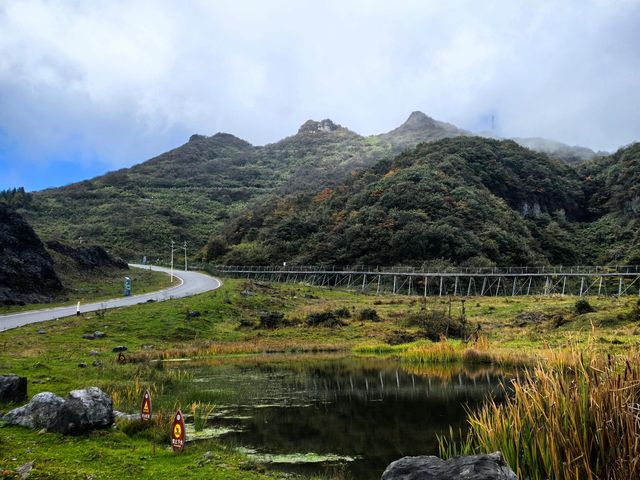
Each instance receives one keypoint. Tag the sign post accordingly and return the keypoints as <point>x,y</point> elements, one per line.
<point>177,432</point>
<point>127,286</point>
<point>145,410</point>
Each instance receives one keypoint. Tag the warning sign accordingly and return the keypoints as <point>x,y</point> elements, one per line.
<point>145,410</point>
<point>177,432</point>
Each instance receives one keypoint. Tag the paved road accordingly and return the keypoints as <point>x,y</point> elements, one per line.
<point>188,283</point>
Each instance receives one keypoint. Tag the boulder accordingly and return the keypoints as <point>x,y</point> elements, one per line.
<point>81,411</point>
<point>474,467</point>
<point>85,410</point>
<point>119,348</point>
<point>99,334</point>
<point>41,412</point>
<point>13,389</point>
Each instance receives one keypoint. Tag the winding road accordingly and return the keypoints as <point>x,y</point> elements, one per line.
<point>189,283</point>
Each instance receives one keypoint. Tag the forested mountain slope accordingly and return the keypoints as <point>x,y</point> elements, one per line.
<point>191,191</point>
<point>465,200</point>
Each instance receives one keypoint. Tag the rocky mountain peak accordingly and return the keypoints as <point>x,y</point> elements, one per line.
<point>312,126</point>
<point>220,138</point>
<point>418,119</point>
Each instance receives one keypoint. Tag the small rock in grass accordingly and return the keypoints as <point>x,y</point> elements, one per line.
<point>88,336</point>
<point>99,334</point>
<point>120,348</point>
<point>82,365</point>
<point>97,363</point>
<point>208,455</point>
<point>93,353</point>
<point>24,470</point>
<point>41,332</point>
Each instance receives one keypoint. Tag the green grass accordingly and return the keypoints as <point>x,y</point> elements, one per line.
<point>100,285</point>
<point>226,325</point>
<point>115,455</point>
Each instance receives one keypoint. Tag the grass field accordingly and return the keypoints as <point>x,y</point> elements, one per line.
<point>228,322</point>
<point>102,284</point>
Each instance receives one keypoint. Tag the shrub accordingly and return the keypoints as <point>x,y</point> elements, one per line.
<point>582,306</point>
<point>271,320</point>
<point>342,312</point>
<point>435,324</point>
<point>327,318</point>
<point>368,314</point>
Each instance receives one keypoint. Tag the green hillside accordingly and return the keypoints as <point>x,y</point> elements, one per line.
<point>465,200</point>
<point>191,191</point>
<point>613,187</point>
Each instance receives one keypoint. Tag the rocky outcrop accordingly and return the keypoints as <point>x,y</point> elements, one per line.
<point>312,126</point>
<point>13,389</point>
<point>27,272</point>
<point>88,258</point>
<point>81,411</point>
<point>473,467</point>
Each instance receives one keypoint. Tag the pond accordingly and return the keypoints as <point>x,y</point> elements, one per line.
<point>346,416</point>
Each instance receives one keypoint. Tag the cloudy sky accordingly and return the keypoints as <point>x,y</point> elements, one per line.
<point>91,86</point>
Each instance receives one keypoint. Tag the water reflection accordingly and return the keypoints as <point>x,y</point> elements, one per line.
<point>372,410</point>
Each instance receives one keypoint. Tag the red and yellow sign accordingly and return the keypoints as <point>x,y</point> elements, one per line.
<point>177,432</point>
<point>145,409</point>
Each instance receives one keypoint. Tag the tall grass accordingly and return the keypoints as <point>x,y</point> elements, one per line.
<point>578,422</point>
<point>201,413</point>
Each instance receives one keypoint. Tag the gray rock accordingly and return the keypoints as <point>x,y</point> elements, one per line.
<point>126,416</point>
<point>120,348</point>
<point>474,467</point>
<point>93,353</point>
<point>81,411</point>
<point>85,410</point>
<point>41,412</point>
<point>82,365</point>
<point>99,334</point>
<point>88,336</point>
<point>96,363</point>
<point>41,332</point>
<point>12,388</point>
<point>25,470</point>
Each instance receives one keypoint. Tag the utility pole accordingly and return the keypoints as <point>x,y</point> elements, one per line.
<point>172,249</point>
<point>185,255</point>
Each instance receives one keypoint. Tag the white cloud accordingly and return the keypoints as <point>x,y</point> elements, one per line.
<point>123,80</point>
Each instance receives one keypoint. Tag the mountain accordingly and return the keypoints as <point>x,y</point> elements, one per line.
<point>191,191</point>
<point>419,128</point>
<point>612,185</point>
<point>463,200</point>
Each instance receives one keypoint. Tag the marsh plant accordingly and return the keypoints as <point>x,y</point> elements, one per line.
<point>579,419</point>
<point>201,413</point>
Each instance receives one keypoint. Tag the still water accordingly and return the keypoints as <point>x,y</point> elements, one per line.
<point>330,415</point>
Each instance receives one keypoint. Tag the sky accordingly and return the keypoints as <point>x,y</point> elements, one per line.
<point>92,86</point>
